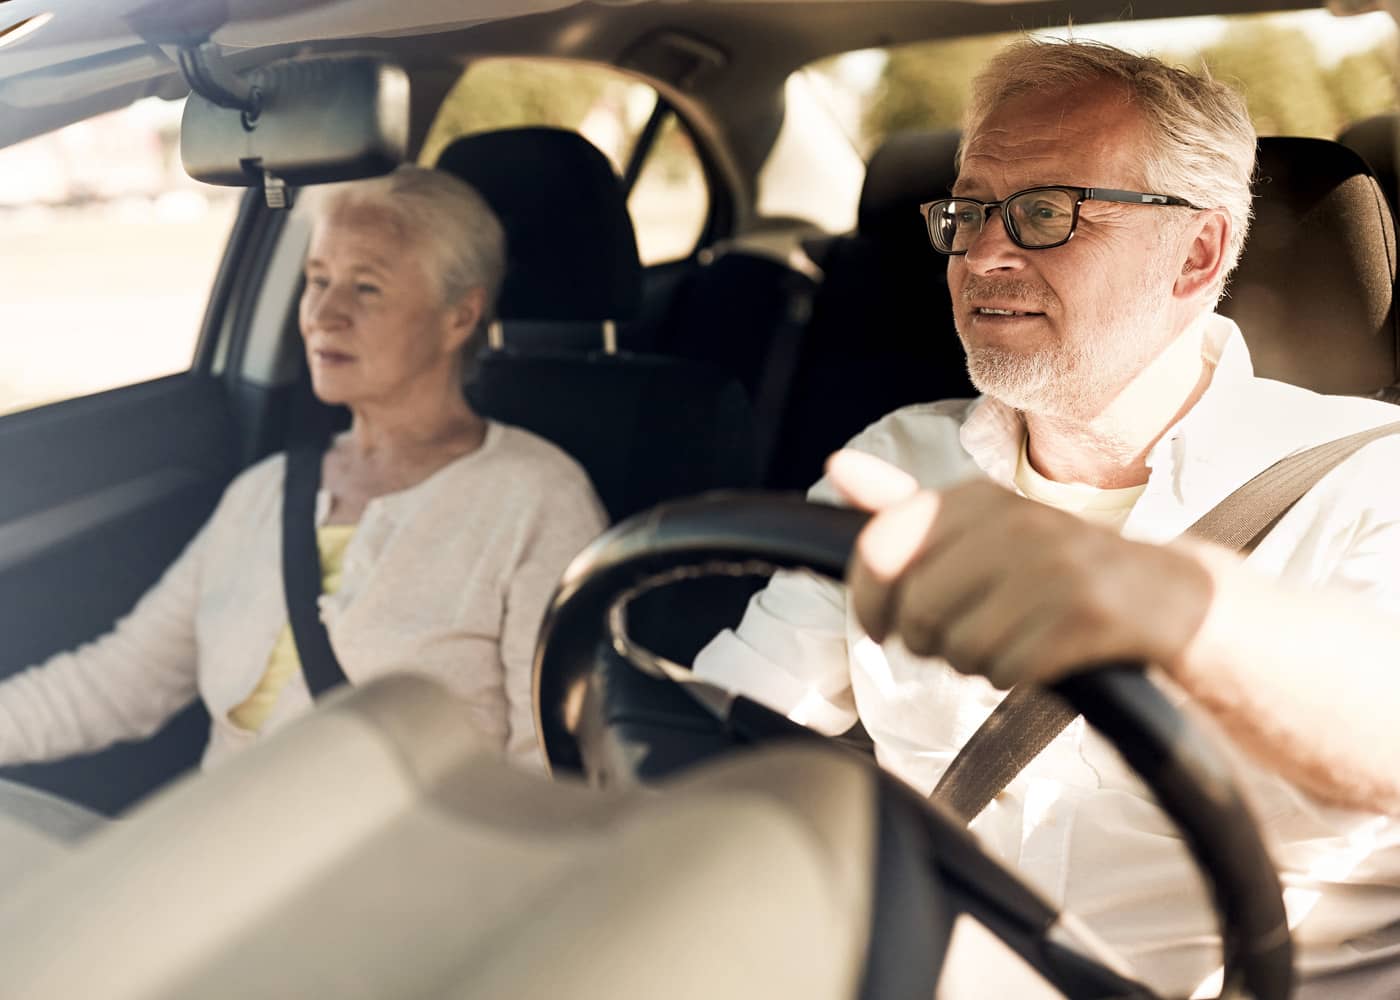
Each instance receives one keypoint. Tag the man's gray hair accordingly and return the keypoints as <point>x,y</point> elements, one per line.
<point>1201,142</point>
<point>446,213</point>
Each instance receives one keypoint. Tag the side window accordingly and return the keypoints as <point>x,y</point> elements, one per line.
<point>109,254</point>
<point>669,199</point>
<point>670,202</point>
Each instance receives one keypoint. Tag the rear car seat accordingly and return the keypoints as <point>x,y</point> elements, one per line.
<point>646,428</point>
<point>881,334</point>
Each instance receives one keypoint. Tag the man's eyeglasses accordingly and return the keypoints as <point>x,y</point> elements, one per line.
<point>1037,218</point>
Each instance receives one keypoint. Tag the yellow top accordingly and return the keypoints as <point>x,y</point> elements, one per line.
<point>284,662</point>
<point>1109,508</point>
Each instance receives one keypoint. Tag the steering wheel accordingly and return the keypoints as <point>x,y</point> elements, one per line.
<point>586,667</point>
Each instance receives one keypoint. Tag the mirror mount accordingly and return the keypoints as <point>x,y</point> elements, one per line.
<point>204,69</point>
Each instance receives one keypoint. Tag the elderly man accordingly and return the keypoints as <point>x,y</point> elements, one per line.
<point>1102,200</point>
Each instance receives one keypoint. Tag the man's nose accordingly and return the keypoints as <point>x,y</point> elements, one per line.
<point>992,249</point>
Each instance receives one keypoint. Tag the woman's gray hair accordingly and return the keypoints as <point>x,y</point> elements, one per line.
<point>1201,142</point>
<point>443,212</point>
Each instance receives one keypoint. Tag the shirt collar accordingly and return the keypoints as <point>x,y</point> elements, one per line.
<point>993,431</point>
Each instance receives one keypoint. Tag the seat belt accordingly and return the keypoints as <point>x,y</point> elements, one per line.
<point>301,570</point>
<point>1030,716</point>
<point>784,351</point>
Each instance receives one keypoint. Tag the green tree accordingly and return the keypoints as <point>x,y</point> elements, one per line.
<point>506,93</point>
<point>927,86</point>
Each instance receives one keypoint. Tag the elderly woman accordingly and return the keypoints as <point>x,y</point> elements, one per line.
<point>441,534</point>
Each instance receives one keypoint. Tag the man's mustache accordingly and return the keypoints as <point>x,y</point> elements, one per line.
<point>1017,290</point>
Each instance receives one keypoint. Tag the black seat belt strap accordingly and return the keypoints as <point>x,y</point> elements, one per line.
<point>1030,717</point>
<point>784,352</point>
<point>301,571</point>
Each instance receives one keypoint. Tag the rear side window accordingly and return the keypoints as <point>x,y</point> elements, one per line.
<point>109,254</point>
<point>668,198</point>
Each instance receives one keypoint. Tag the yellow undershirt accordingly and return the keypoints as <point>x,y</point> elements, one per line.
<point>1109,508</point>
<point>284,663</point>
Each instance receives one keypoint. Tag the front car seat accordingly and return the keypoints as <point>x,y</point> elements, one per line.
<point>1313,291</point>
<point>646,428</point>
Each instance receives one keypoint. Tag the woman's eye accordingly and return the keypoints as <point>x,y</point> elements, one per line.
<point>365,288</point>
<point>317,282</point>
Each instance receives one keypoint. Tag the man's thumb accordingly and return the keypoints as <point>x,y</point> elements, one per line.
<point>867,482</point>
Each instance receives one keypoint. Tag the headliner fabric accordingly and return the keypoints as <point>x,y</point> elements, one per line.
<point>1313,291</point>
<point>570,253</point>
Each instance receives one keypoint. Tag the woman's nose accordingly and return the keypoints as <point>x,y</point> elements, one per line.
<point>325,306</point>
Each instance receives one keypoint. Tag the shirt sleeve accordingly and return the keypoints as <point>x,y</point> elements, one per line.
<point>564,525</point>
<point>121,686</point>
<point>790,651</point>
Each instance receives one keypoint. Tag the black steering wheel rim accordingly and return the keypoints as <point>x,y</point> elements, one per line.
<point>1190,778</point>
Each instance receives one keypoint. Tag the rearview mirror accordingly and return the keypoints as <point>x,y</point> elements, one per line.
<point>314,121</point>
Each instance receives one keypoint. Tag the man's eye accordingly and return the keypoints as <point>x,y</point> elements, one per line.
<point>366,288</point>
<point>317,282</point>
<point>1045,211</point>
<point>968,216</point>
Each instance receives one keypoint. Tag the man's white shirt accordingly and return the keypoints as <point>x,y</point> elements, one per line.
<point>1076,823</point>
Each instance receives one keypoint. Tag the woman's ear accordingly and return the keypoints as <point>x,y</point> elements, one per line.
<point>1203,268</point>
<point>464,317</point>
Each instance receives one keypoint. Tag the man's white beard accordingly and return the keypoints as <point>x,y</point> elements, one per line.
<point>1061,382</point>
<point>1076,381</point>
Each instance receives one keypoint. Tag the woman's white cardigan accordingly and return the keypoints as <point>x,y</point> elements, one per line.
<point>447,579</point>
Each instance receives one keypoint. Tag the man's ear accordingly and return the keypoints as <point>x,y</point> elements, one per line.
<point>463,318</point>
<point>1203,267</point>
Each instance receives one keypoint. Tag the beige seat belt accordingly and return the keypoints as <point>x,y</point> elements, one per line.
<point>1029,717</point>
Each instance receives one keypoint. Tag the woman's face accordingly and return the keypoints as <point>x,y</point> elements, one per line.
<point>376,329</point>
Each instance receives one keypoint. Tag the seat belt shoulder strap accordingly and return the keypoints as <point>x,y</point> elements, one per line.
<point>301,571</point>
<point>1029,718</point>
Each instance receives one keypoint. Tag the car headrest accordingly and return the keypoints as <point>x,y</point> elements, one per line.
<point>571,252</point>
<point>1313,290</point>
<point>908,169</point>
<point>1374,139</point>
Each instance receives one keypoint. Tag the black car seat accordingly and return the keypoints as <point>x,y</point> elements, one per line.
<point>646,428</point>
<point>881,333</point>
<point>1313,292</point>
<point>744,308</point>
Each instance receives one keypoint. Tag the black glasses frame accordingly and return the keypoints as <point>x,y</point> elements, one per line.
<point>1081,195</point>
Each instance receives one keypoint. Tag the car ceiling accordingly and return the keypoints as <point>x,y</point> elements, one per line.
<point>92,32</point>
<point>713,59</point>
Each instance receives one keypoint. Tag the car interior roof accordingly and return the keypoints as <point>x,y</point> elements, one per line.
<point>124,48</point>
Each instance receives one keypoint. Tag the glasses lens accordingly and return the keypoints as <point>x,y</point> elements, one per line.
<point>1041,218</point>
<point>953,224</point>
